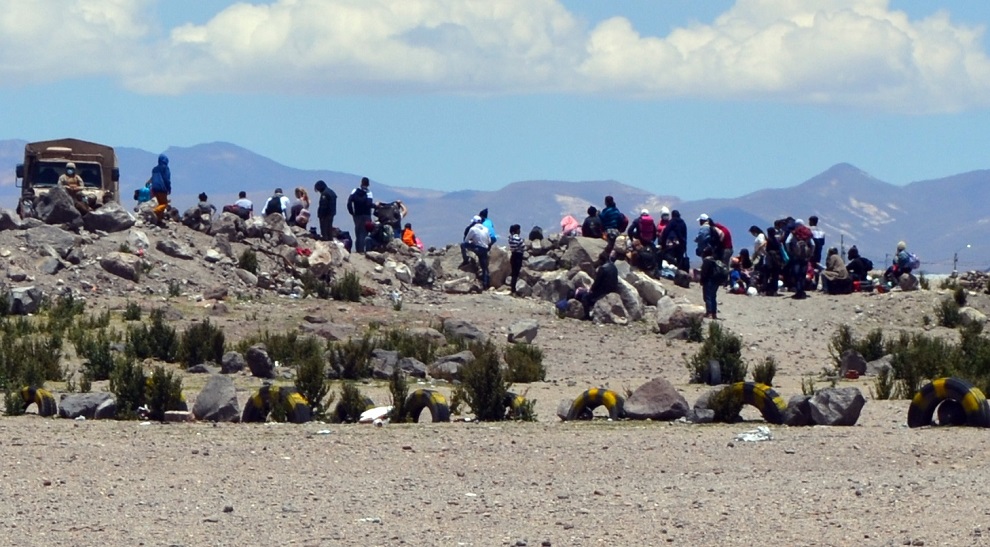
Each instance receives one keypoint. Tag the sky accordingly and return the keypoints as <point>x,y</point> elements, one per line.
<point>678,97</point>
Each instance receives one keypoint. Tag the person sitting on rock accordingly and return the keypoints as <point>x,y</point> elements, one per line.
<point>592,226</point>
<point>477,240</point>
<point>900,266</point>
<point>606,281</point>
<point>835,276</point>
<point>73,184</point>
<point>242,207</point>
<point>408,235</point>
<point>379,235</point>
<point>204,205</point>
<point>859,267</point>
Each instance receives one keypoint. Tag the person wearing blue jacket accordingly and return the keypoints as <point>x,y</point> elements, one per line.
<point>487,223</point>
<point>611,219</point>
<point>161,185</point>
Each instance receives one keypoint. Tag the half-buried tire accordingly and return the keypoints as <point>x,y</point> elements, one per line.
<point>927,399</point>
<point>261,404</point>
<point>431,399</point>
<point>587,402</point>
<point>513,404</point>
<point>763,397</point>
<point>41,397</point>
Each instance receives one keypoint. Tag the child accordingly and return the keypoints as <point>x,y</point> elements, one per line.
<point>710,282</point>
<point>517,247</point>
<point>408,236</point>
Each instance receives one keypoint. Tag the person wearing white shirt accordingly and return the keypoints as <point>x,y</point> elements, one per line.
<point>477,239</point>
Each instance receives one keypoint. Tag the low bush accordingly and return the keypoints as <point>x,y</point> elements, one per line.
<point>159,340</point>
<point>311,382</point>
<point>347,288</point>
<point>351,359</point>
<point>201,342</point>
<point>884,385</point>
<point>959,295</point>
<point>726,403</point>
<point>352,403</point>
<point>248,261</point>
<point>724,347</point>
<point>420,348</point>
<point>399,391</point>
<point>483,383</point>
<point>764,372</point>
<point>314,286</point>
<point>163,393</point>
<point>132,312</point>
<point>525,364</point>
<point>128,384</point>
<point>97,354</point>
<point>947,313</point>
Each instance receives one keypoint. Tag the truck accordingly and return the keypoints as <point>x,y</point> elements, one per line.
<point>45,161</point>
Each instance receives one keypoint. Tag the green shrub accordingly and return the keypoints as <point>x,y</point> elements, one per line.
<point>918,358</point>
<point>13,403</point>
<point>201,342</point>
<point>808,386</point>
<point>525,364</point>
<point>484,383</point>
<point>288,348</point>
<point>884,385</point>
<point>62,312</point>
<point>959,295</point>
<point>352,404</point>
<point>420,348</point>
<point>721,346</point>
<point>158,341</point>
<point>248,261</point>
<point>96,351</point>
<point>347,288</point>
<point>174,288</point>
<point>947,313</point>
<point>4,302</point>
<point>311,383</point>
<point>315,286</point>
<point>872,346</point>
<point>726,403</point>
<point>923,282</point>
<point>163,392</point>
<point>132,312</point>
<point>764,372</point>
<point>128,384</point>
<point>696,329</point>
<point>351,359</point>
<point>399,391</point>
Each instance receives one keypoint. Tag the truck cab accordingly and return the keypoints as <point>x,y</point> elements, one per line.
<point>45,162</point>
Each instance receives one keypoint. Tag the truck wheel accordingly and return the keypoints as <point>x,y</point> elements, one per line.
<point>593,398</point>
<point>927,399</point>
<point>41,397</point>
<point>764,398</point>
<point>428,398</point>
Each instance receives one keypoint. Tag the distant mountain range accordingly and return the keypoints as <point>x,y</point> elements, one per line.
<point>937,218</point>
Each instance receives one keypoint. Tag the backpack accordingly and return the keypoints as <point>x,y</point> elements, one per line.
<point>623,222</point>
<point>388,213</point>
<point>647,229</point>
<point>274,205</point>
<point>913,261</point>
<point>703,239</point>
<point>721,272</point>
<point>802,249</point>
<point>536,233</point>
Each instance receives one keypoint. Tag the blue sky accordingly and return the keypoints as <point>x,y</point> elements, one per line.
<point>686,98</point>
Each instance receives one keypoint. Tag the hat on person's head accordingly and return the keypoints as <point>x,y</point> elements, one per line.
<point>70,166</point>
<point>278,190</point>
<point>901,245</point>
<point>483,213</point>
<point>664,211</point>
<point>703,217</point>
<point>644,213</point>
<point>799,222</point>
<point>475,219</point>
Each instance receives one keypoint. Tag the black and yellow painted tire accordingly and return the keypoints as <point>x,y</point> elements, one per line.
<point>41,397</point>
<point>431,399</point>
<point>763,397</point>
<point>927,399</point>
<point>587,402</point>
<point>260,405</point>
<point>513,403</point>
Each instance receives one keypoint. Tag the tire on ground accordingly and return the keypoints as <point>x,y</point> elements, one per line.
<point>927,399</point>
<point>260,405</point>
<point>41,397</point>
<point>340,414</point>
<point>431,399</point>
<point>587,402</point>
<point>513,403</point>
<point>764,398</point>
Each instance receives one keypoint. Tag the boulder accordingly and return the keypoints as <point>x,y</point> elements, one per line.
<point>581,279</point>
<point>671,315</point>
<point>246,277</point>
<point>382,363</point>
<point>583,253</point>
<point>123,265</point>
<point>413,367</point>
<point>196,219</point>
<point>908,282</point>
<point>74,405</point>
<point>649,289</point>
<point>798,412</point>
<point>215,293</point>
<point>428,333</point>
<point>877,366</point>
<point>230,225</point>
<point>9,220</point>
<point>52,237</point>
<point>552,287</point>
<point>203,368</point>
<point>258,361</point>
<point>403,273</point>
<point>449,367</point>
<point>837,406</point>
<point>631,300</point>
<point>325,257</point>
<point>137,240</point>
<point>701,416</point>
<point>232,362</point>
<point>541,264</point>
<point>498,266</point>
<point>24,300</point>
<point>50,266</point>
<point>609,310</point>
<point>57,207</point>
<point>970,316</point>
<point>851,360</point>
<point>111,217</point>
<point>423,274</point>
<point>217,402</point>
<point>459,328</point>
<point>213,256</point>
<point>523,330</point>
<point>656,400</point>
<point>574,309</point>
<point>175,249</point>
<point>107,410</point>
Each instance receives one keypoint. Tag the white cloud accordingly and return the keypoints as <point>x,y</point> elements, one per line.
<point>856,53</point>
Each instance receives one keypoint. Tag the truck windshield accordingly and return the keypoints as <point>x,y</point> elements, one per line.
<point>46,173</point>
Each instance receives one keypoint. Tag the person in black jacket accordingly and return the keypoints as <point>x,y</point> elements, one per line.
<point>326,210</point>
<point>673,242</point>
<point>360,205</point>
<point>592,226</point>
<point>859,267</point>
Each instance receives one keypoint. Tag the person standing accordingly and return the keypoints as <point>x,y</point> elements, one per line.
<point>612,221</point>
<point>161,185</point>
<point>818,236</point>
<point>326,210</point>
<point>518,249</point>
<point>673,242</point>
<point>710,282</point>
<point>479,241</point>
<point>488,224</point>
<point>360,204</point>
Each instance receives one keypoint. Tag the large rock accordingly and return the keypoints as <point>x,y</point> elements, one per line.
<point>229,225</point>
<point>111,217</point>
<point>552,287</point>
<point>325,257</point>
<point>218,401</point>
<point>175,249</point>
<point>107,410</point>
<point>460,328</point>
<point>498,266</point>
<point>523,330</point>
<point>429,334</point>
<point>851,360</point>
<point>137,240</point>
<point>123,265</point>
<point>57,207</point>
<point>413,367</point>
<point>402,273</point>
<point>258,361</point>
<point>574,309</point>
<point>583,253</point>
<point>908,282</point>
<point>24,300</point>
<point>541,263</point>
<point>449,367</point>
<point>609,310</point>
<point>650,290</point>
<point>383,362</point>
<point>423,274</point>
<point>232,362</point>
<point>74,405</point>
<point>798,411</point>
<point>970,316</point>
<point>247,277</point>
<point>631,300</point>
<point>878,366</point>
<point>656,400</point>
<point>9,220</point>
<point>672,315</point>
<point>837,406</point>
<point>53,237</point>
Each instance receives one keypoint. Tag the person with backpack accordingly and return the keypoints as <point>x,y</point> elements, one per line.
<point>477,240</point>
<point>360,205</point>
<point>859,267</point>
<point>904,262</point>
<point>592,226</point>
<point>643,228</point>
<point>724,241</point>
<point>326,210</point>
<point>800,249</point>
<point>713,276</point>
<point>673,242</point>
<point>518,249</point>
<point>490,225</point>
<point>612,222</point>
<point>392,214</point>
<point>278,203</point>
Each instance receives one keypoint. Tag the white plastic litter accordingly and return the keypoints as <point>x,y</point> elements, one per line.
<point>372,414</point>
<point>761,433</point>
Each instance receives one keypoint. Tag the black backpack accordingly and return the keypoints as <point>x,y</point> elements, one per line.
<point>274,205</point>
